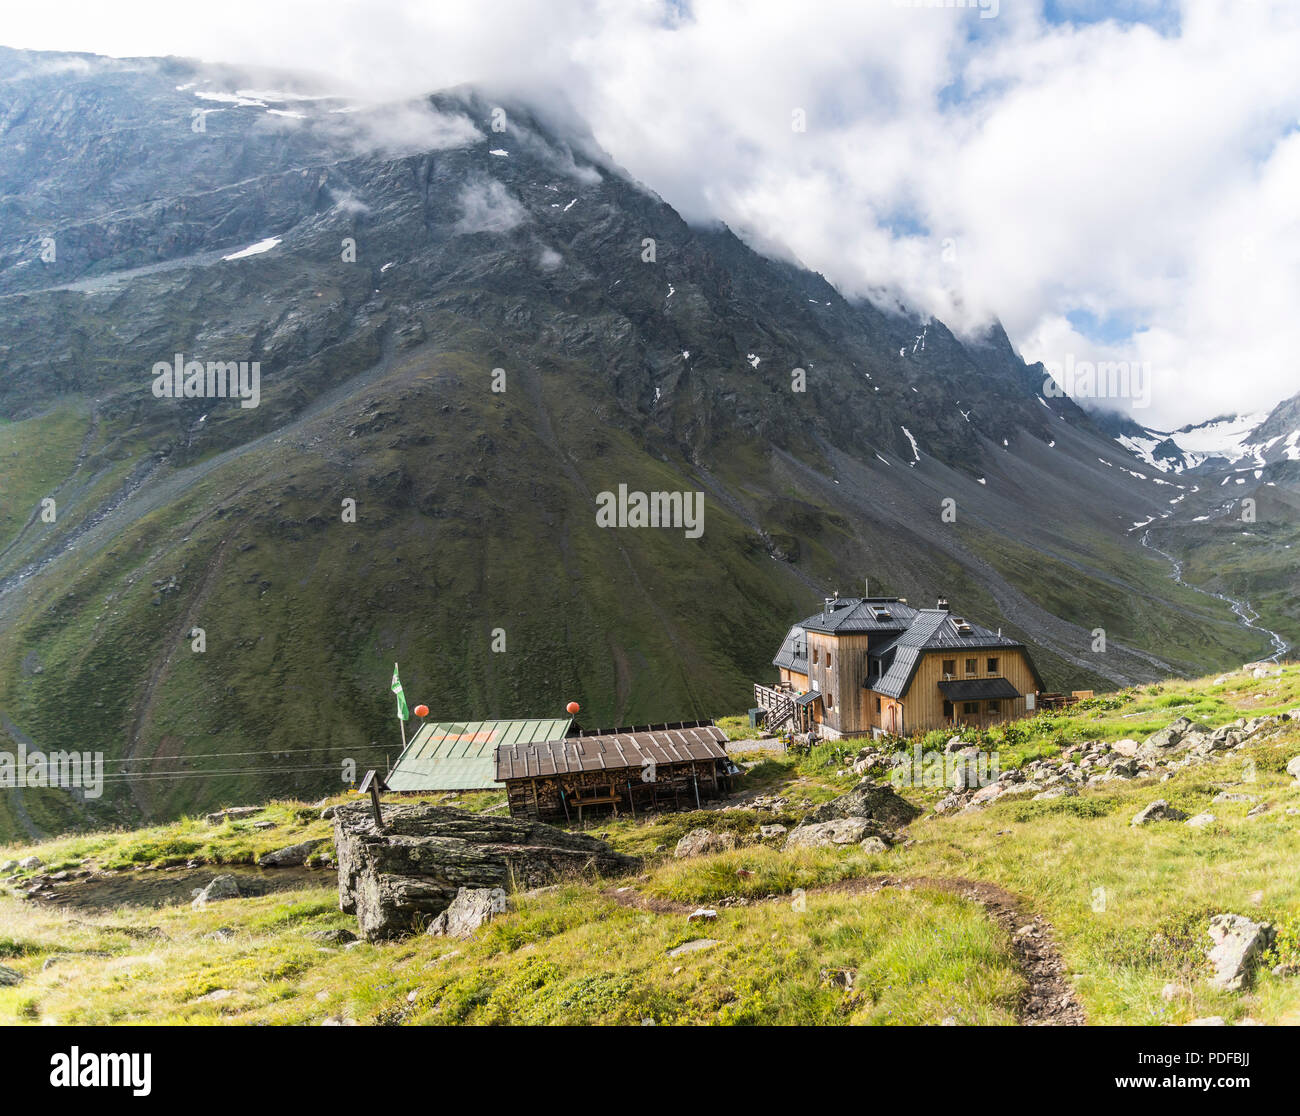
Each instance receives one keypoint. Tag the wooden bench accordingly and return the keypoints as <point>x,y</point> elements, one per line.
<point>609,799</point>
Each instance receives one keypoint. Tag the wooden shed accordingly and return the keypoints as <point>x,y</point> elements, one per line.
<point>637,769</point>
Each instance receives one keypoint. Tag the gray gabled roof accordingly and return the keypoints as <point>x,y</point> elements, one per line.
<point>907,634</point>
<point>936,629</point>
<point>862,614</point>
<point>794,651</point>
<point>903,655</point>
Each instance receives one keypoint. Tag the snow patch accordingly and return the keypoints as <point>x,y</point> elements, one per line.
<point>916,453</point>
<point>254,249</point>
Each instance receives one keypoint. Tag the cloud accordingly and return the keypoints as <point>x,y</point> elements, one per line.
<point>405,127</point>
<point>487,206</point>
<point>1113,180</point>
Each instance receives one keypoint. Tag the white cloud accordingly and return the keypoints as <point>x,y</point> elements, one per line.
<point>1005,166</point>
<point>487,206</point>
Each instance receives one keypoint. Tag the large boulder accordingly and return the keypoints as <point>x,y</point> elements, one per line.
<point>221,887</point>
<point>878,802</point>
<point>1178,734</point>
<point>9,977</point>
<point>837,831</point>
<point>1239,943</point>
<point>472,907</point>
<point>233,813</point>
<point>1159,810</point>
<point>397,881</point>
<point>291,857</point>
<point>1293,768</point>
<point>700,842</point>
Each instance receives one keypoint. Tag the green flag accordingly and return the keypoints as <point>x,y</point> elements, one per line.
<point>402,712</point>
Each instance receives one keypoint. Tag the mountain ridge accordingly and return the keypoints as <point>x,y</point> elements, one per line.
<point>474,508</point>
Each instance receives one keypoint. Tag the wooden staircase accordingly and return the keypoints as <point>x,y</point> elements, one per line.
<point>779,707</point>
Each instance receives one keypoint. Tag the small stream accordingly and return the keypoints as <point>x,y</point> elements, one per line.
<point>1241,609</point>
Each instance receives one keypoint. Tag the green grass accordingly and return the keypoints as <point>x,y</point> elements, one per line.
<point>567,957</point>
<point>33,453</point>
<point>1129,908</point>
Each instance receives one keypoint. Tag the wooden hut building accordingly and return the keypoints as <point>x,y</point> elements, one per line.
<point>877,665</point>
<point>629,770</point>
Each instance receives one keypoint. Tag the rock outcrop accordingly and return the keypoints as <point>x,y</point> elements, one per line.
<point>869,812</point>
<point>1239,944</point>
<point>837,831</point>
<point>1159,810</point>
<point>878,802</point>
<point>399,880</point>
<point>221,887</point>
<point>700,842</point>
<point>233,813</point>
<point>290,857</point>
<point>472,907</point>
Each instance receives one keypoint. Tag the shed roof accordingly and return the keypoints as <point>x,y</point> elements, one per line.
<point>614,751</point>
<point>458,755</point>
<point>978,689</point>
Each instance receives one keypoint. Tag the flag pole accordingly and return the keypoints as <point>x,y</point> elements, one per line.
<point>402,713</point>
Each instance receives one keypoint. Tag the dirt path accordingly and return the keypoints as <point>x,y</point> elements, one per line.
<point>1048,999</point>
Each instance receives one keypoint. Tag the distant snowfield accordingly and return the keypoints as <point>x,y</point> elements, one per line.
<point>1225,438</point>
<point>254,249</point>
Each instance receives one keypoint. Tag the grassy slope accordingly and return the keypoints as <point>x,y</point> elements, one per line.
<point>34,455</point>
<point>304,614</point>
<point>1129,907</point>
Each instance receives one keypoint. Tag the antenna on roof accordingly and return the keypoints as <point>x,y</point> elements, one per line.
<point>866,587</point>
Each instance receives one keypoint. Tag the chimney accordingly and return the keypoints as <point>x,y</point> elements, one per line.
<point>943,604</point>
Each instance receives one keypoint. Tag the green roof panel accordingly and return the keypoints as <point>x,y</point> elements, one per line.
<point>459,755</point>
